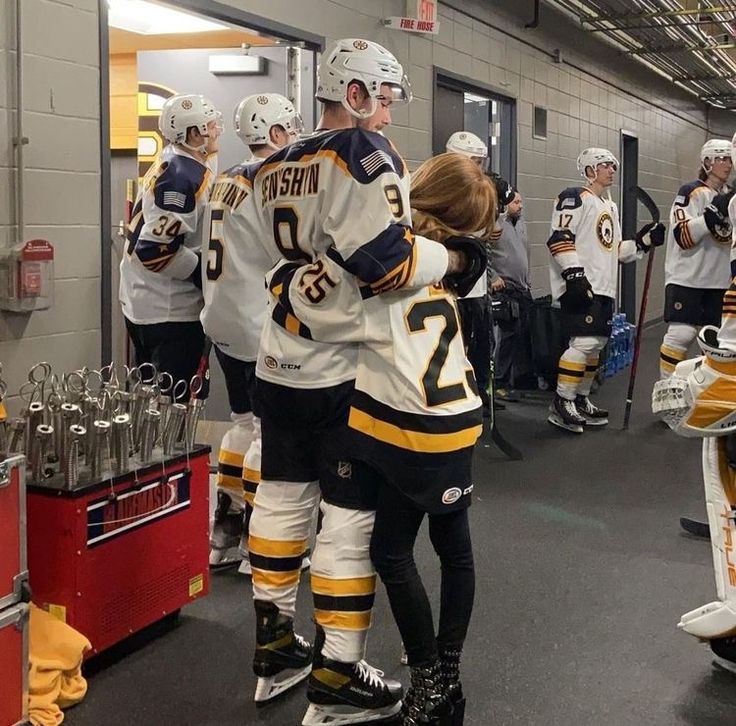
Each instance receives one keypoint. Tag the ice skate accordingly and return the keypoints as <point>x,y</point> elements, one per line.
<point>282,658</point>
<point>349,693</point>
<point>593,415</point>
<point>724,652</point>
<point>564,413</point>
<point>226,531</point>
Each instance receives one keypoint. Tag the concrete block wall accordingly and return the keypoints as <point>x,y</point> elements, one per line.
<point>60,44</point>
<point>590,96</point>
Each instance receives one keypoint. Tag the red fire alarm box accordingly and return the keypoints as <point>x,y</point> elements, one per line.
<point>27,276</point>
<point>13,568</point>
<point>14,665</point>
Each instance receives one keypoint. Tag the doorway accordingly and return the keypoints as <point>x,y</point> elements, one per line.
<point>157,49</point>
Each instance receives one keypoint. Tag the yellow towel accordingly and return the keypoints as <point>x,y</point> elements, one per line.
<point>55,681</point>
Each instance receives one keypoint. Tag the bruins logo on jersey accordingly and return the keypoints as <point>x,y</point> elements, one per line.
<point>722,234</point>
<point>604,230</point>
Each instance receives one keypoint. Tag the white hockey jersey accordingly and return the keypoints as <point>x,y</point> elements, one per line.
<point>163,241</point>
<point>234,290</point>
<point>345,194</point>
<point>596,245</point>
<point>695,257</point>
<point>727,333</point>
<point>415,397</point>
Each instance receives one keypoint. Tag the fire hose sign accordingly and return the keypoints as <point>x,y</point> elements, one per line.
<point>112,516</point>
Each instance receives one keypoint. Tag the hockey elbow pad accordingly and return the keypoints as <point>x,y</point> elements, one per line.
<point>476,260</point>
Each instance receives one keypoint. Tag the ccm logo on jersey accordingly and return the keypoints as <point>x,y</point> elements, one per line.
<point>273,364</point>
<point>451,495</point>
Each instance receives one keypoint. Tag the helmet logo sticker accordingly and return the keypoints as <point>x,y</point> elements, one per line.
<point>186,104</point>
<point>360,44</point>
<point>263,100</point>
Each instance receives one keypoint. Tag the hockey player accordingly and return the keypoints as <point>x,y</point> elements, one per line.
<point>696,267</point>
<point>415,416</point>
<point>586,247</point>
<point>344,192</point>
<point>699,400</point>
<point>235,308</point>
<point>160,273</point>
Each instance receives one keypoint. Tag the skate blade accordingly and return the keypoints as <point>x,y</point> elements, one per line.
<point>575,428</point>
<point>268,688</point>
<point>723,664</point>
<point>245,568</point>
<point>596,421</point>
<point>336,715</point>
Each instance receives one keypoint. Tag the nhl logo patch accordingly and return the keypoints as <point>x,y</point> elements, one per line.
<point>186,104</point>
<point>451,495</point>
<point>271,362</point>
<point>263,100</point>
<point>360,44</point>
<point>604,230</point>
<point>344,469</point>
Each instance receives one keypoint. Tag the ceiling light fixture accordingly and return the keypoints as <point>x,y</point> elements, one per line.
<point>146,18</point>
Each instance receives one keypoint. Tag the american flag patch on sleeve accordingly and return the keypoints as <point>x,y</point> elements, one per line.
<point>375,161</point>
<point>175,199</point>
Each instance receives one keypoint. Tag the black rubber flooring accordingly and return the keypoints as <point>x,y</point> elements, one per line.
<point>582,572</point>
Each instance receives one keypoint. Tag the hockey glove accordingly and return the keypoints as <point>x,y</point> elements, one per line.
<point>476,259</point>
<point>650,235</point>
<point>721,201</point>
<point>715,220</point>
<point>578,291</point>
<point>196,276</point>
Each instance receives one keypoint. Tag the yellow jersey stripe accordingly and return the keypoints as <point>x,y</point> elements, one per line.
<point>412,440</point>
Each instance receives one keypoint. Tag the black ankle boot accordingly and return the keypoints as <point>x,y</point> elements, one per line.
<point>426,701</point>
<point>450,668</point>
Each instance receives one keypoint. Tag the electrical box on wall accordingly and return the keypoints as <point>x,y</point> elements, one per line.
<point>27,276</point>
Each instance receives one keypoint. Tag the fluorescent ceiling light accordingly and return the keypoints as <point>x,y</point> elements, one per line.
<point>144,18</point>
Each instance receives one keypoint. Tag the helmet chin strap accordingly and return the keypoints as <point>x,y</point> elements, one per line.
<point>361,115</point>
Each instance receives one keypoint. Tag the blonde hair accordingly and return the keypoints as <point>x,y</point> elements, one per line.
<point>451,196</point>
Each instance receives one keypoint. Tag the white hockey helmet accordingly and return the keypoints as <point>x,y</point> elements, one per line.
<point>714,148</point>
<point>463,142</point>
<point>255,116</point>
<point>592,157</point>
<point>698,400</point>
<point>355,59</point>
<point>181,112</point>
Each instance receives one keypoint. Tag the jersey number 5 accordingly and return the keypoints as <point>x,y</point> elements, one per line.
<point>434,393</point>
<point>215,248</point>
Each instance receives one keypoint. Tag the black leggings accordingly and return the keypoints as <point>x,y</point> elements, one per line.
<point>392,550</point>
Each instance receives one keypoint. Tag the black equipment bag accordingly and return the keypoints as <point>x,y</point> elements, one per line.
<point>548,339</point>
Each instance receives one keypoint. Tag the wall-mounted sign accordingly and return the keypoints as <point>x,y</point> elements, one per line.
<point>412,25</point>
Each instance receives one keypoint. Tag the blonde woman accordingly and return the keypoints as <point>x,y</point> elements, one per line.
<point>415,417</point>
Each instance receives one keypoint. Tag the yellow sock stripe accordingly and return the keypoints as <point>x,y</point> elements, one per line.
<point>252,475</point>
<point>342,620</point>
<point>345,586</point>
<point>666,366</point>
<point>231,483</point>
<point>231,458</point>
<point>276,548</point>
<point>677,353</point>
<point>271,578</point>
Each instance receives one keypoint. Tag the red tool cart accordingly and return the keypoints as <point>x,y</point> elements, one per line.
<point>13,567</point>
<point>13,589</point>
<point>111,557</point>
<point>14,665</point>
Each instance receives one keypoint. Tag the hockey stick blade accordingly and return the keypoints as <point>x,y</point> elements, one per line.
<point>509,449</point>
<point>695,527</point>
<point>645,198</point>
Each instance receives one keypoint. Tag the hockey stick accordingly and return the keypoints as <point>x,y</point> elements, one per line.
<point>695,527</point>
<point>507,448</point>
<point>653,210</point>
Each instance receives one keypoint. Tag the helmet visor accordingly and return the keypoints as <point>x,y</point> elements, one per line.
<point>396,93</point>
